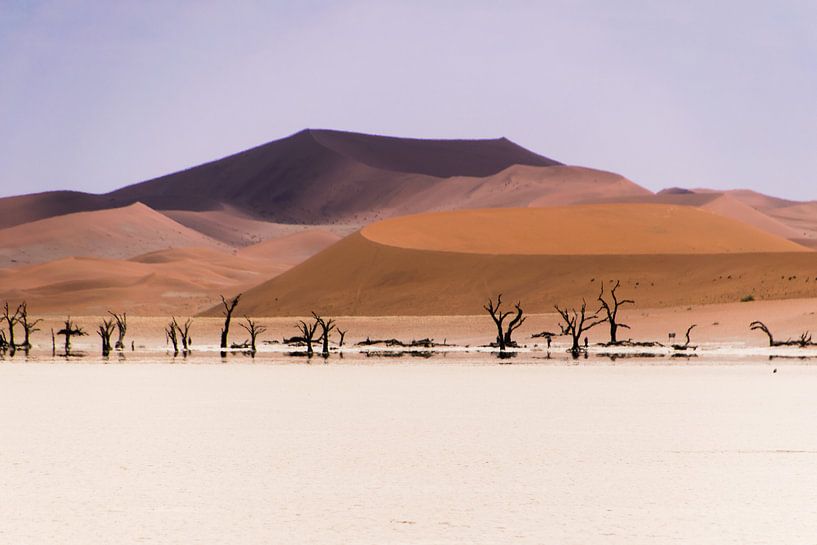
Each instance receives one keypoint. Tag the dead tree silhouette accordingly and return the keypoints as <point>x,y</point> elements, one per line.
<point>577,323</point>
<point>105,331</point>
<point>183,334</point>
<point>229,307</point>
<point>254,330</point>
<point>342,333</point>
<point>121,329</point>
<point>611,310</point>
<point>686,346</point>
<point>503,335</point>
<point>28,327</point>
<point>171,335</point>
<point>802,342</point>
<point>326,329</point>
<point>11,319</point>
<point>307,334</point>
<point>69,330</point>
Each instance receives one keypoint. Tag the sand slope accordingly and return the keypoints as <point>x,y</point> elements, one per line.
<point>577,230</point>
<point>238,230</point>
<point>313,176</point>
<point>171,281</point>
<point>363,276</point>
<point>117,233</point>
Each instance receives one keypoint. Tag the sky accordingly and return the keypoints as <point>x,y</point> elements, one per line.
<point>95,95</point>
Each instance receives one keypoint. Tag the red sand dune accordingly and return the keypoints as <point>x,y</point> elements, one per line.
<point>117,233</point>
<point>181,280</point>
<point>454,274</point>
<point>577,230</point>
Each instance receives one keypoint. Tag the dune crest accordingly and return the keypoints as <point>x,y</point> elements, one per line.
<point>618,229</point>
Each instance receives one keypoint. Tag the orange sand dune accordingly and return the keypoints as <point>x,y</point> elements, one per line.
<point>802,218</point>
<point>183,280</point>
<point>449,263</point>
<point>116,234</point>
<point>577,230</point>
<point>771,217</point>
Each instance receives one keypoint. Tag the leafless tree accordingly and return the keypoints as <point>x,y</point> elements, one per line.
<point>576,323</point>
<point>105,331</point>
<point>171,335</point>
<point>307,334</point>
<point>802,342</point>
<point>326,329</point>
<point>686,345</point>
<point>229,307</point>
<point>11,319</point>
<point>514,324</point>
<point>69,330</point>
<point>254,330</point>
<point>342,333</point>
<point>611,310</point>
<point>503,335</point>
<point>183,333</point>
<point>121,329</point>
<point>28,326</point>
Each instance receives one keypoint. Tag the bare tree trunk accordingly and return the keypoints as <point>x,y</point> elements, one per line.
<point>611,310</point>
<point>517,321</point>
<point>229,307</point>
<point>121,327</point>
<point>253,329</point>
<point>576,324</point>
<point>495,310</point>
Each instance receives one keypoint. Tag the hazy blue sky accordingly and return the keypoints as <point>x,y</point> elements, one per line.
<point>98,94</point>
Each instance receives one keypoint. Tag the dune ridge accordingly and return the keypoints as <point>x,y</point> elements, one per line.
<point>618,229</point>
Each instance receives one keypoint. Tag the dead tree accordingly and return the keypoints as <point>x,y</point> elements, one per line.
<point>254,330</point>
<point>685,346</point>
<point>611,310</point>
<point>342,333</point>
<point>28,327</point>
<point>503,336</point>
<point>514,324</point>
<point>105,331</point>
<point>11,319</point>
<point>4,344</point>
<point>307,334</point>
<point>802,342</point>
<point>69,330</point>
<point>576,323</point>
<point>183,333</point>
<point>326,329</point>
<point>172,336</point>
<point>229,307</point>
<point>121,329</point>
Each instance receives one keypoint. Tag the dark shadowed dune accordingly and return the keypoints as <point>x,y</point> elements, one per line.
<point>314,176</point>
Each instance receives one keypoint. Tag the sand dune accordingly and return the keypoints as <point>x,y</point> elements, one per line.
<point>321,177</point>
<point>700,260</point>
<point>236,229</point>
<point>164,282</point>
<point>292,249</point>
<point>577,230</point>
<point>178,280</point>
<point>117,233</point>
